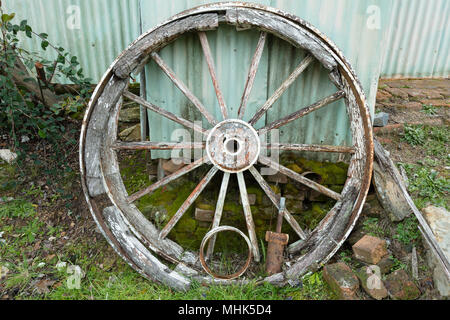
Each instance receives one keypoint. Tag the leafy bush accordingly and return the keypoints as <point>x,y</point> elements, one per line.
<point>29,104</point>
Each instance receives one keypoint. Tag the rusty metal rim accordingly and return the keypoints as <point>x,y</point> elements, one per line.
<point>346,71</point>
<point>208,236</point>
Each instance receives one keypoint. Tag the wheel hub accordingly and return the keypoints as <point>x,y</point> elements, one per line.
<point>233,146</point>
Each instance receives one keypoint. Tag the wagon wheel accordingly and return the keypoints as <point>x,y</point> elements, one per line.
<point>232,146</point>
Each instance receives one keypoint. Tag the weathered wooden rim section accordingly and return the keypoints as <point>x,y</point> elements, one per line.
<point>132,236</point>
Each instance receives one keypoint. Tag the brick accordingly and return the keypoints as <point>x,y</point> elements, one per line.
<point>383,96</point>
<point>400,286</point>
<point>370,277</point>
<point>204,215</point>
<point>436,102</point>
<point>397,92</point>
<point>416,93</point>
<point>341,280</point>
<point>370,249</point>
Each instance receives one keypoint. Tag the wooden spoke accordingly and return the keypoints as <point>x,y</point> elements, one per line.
<point>252,73</point>
<point>248,216</point>
<point>192,197</point>
<point>219,210</point>
<point>294,175</point>
<point>276,201</point>
<point>286,84</point>
<point>164,113</point>
<point>302,112</point>
<point>212,70</point>
<point>194,165</point>
<point>169,72</point>
<point>309,147</point>
<point>146,145</point>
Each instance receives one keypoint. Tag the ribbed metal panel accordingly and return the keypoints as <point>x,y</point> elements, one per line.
<point>418,43</point>
<point>106,28</point>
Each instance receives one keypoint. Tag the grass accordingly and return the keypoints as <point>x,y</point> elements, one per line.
<point>372,227</point>
<point>107,277</point>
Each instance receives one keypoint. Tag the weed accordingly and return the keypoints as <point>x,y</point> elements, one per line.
<point>429,109</point>
<point>414,135</point>
<point>407,231</point>
<point>17,209</point>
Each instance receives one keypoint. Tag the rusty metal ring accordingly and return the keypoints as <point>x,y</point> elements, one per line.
<point>213,232</point>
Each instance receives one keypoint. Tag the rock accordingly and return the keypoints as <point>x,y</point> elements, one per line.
<point>130,115</point>
<point>386,264</point>
<point>3,272</point>
<point>131,134</point>
<point>341,280</point>
<point>400,286</point>
<point>172,165</point>
<point>204,215</point>
<point>370,277</point>
<point>381,119</point>
<point>8,156</point>
<point>370,249</point>
<point>439,222</point>
<point>278,178</point>
<point>24,139</point>
<point>389,194</point>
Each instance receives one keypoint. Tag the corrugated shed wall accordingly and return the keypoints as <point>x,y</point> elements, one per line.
<point>407,37</point>
<point>418,43</point>
<point>96,31</point>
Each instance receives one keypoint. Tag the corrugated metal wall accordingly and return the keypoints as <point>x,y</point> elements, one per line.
<point>408,37</point>
<point>418,43</point>
<point>96,31</point>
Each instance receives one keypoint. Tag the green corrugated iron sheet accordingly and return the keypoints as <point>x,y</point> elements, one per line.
<point>408,37</point>
<point>419,40</point>
<point>106,28</point>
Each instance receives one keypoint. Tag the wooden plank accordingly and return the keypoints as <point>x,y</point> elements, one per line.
<point>248,216</point>
<point>383,159</point>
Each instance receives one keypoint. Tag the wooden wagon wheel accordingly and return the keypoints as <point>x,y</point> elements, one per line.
<point>232,146</point>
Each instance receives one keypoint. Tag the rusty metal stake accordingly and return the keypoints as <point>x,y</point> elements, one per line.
<point>277,242</point>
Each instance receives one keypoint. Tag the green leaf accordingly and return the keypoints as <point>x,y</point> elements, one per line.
<point>8,17</point>
<point>44,44</point>
<point>42,134</point>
